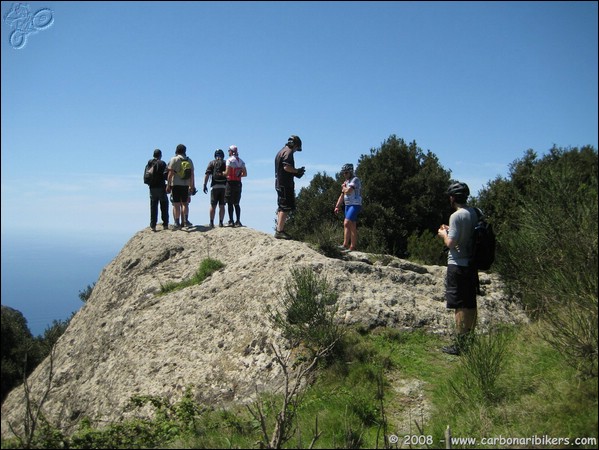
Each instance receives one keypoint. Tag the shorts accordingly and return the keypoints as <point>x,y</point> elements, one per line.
<point>180,194</point>
<point>233,192</point>
<point>352,211</point>
<point>460,287</point>
<point>217,195</point>
<point>285,198</point>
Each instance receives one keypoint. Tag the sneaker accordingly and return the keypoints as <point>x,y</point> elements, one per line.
<point>230,224</point>
<point>165,226</point>
<point>220,224</point>
<point>451,350</point>
<point>176,226</point>
<point>211,225</point>
<point>188,224</point>
<point>153,227</point>
<point>282,235</point>
<point>238,224</point>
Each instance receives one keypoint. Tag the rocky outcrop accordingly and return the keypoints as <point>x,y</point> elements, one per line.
<point>129,340</point>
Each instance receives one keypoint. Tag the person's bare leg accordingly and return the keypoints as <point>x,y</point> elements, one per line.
<point>281,218</point>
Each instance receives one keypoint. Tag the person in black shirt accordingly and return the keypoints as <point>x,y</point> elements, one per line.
<point>285,172</point>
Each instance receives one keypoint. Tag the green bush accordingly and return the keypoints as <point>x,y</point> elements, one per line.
<point>307,311</point>
<point>426,248</point>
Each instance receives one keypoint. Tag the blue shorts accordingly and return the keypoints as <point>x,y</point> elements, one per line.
<point>351,212</point>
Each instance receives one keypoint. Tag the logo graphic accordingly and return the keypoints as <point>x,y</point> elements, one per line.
<point>25,23</point>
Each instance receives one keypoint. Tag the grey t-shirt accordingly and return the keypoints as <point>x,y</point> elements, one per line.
<point>461,230</point>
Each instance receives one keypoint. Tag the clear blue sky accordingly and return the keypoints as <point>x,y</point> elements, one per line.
<point>86,101</point>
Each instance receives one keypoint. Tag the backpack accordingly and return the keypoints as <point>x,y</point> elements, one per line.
<point>185,169</point>
<point>217,169</point>
<point>152,175</point>
<point>483,248</point>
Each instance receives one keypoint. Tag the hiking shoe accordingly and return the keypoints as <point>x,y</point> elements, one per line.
<point>451,350</point>
<point>230,224</point>
<point>176,226</point>
<point>238,224</point>
<point>282,235</point>
<point>220,224</point>
<point>188,224</point>
<point>165,226</point>
<point>211,225</point>
<point>153,228</point>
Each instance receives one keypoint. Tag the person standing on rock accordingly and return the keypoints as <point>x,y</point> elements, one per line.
<point>181,182</point>
<point>351,197</point>
<point>461,279</point>
<point>234,172</point>
<point>215,173</point>
<point>157,186</point>
<point>285,171</point>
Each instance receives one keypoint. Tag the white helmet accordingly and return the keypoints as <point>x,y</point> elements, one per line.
<point>233,148</point>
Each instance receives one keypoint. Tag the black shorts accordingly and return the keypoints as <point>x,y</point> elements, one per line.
<point>460,287</point>
<point>233,192</point>
<point>217,195</point>
<point>286,198</point>
<point>180,194</point>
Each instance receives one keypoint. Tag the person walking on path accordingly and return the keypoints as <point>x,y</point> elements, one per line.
<point>285,172</point>
<point>461,279</point>
<point>234,172</point>
<point>351,197</point>
<point>181,182</point>
<point>215,173</point>
<point>157,185</point>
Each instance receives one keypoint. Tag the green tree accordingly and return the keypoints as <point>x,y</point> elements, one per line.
<point>315,205</point>
<point>403,191</point>
<point>20,351</point>
<point>546,222</point>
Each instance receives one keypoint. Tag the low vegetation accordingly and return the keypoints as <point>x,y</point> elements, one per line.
<point>207,267</point>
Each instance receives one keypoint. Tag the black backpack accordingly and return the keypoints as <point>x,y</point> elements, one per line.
<point>218,168</point>
<point>152,175</point>
<point>483,247</point>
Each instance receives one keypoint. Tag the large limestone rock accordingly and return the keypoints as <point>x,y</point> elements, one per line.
<point>128,340</point>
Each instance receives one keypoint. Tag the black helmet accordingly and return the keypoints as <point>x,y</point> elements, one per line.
<point>294,142</point>
<point>459,190</point>
<point>219,154</point>
<point>347,168</point>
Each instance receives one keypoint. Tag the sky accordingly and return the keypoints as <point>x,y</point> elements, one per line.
<point>89,94</point>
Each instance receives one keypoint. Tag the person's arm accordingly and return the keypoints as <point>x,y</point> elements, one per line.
<point>443,233</point>
<point>289,168</point>
<point>169,179</point>
<point>206,177</point>
<point>192,181</point>
<point>339,203</point>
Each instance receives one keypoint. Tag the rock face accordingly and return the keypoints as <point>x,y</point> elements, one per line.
<point>128,340</point>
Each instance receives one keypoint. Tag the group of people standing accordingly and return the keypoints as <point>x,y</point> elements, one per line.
<point>177,178</point>
<point>225,188</point>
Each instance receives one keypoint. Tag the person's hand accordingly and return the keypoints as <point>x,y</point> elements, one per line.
<point>193,190</point>
<point>336,210</point>
<point>300,172</point>
<point>205,189</point>
<point>168,189</point>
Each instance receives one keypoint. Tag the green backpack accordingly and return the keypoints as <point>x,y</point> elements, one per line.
<point>185,169</point>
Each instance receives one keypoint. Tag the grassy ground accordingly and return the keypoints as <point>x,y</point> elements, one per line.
<point>511,389</point>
